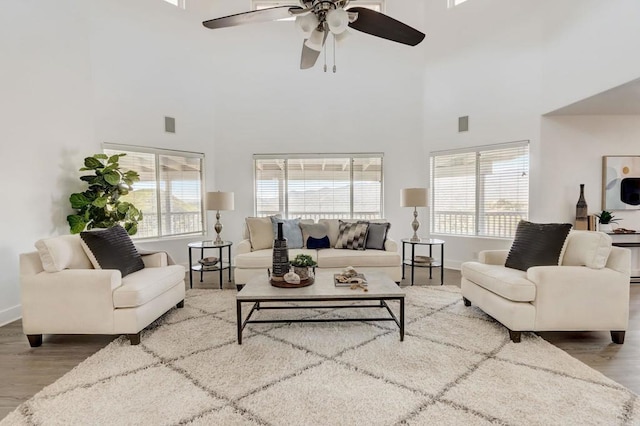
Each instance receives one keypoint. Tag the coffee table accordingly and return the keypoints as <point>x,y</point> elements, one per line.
<point>380,289</point>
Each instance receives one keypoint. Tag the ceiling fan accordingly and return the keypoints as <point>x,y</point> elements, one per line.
<point>316,19</point>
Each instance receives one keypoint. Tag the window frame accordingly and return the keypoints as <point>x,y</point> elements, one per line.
<point>287,157</point>
<point>157,152</point>
<point>479,188</point>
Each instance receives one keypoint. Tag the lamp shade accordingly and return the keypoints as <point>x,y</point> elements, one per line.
<point>219,200</point>
<point>307,23</point>
<point>413,197</point>
<point>338,19</point>
<point>315,41</point>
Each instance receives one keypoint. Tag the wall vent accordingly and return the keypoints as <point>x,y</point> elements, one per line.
<point>169,124</point>
<point>463,124</point>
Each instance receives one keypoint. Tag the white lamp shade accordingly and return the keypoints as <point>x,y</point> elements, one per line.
<point>315,41</point>
<point>413,197</point>
<point>338,20</point>
<point>340,38</point>
<point>307,23</point>
<point>219,200</point>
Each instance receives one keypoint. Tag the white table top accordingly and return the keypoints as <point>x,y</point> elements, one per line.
<point>379,285</point>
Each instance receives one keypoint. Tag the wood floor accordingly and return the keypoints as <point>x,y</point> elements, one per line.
<point>25,371</point>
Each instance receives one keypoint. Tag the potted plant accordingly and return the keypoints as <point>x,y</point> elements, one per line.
<point>301,264</point>
<point>605,219</point>
<point>100,206</point>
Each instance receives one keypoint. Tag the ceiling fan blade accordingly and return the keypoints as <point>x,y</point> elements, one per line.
<point>309,57</point>
<point>262,15</point>
<point>380,25</point>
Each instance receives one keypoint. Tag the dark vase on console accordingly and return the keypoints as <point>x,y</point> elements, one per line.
<point>581,211</point>
<point>280,256</point>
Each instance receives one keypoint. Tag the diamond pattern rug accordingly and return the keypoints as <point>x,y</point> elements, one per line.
<point>456,366</point>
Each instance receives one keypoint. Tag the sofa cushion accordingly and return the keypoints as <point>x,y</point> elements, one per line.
<point>62,252</point>
<point>261,232</point>
<point>337,258</point>
<point>377,235</point>
<point>314,230</point>
<point>264,258</point>
<point>587,248</point>
<point>111,248</point>
<point>352,235</point>
<point>145,285</point>
<point>537,244</point>
<point>509,283</point>
<point>290,230</point>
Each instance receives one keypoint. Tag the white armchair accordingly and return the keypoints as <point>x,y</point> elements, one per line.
<point>589,290</point>
<point>71,297</point>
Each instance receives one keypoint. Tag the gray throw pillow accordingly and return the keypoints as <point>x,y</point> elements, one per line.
<point>290,230</point>
<point>377,235</point>
<point>537,244</point>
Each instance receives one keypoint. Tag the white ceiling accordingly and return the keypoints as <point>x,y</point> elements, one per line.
<point>621,100</point>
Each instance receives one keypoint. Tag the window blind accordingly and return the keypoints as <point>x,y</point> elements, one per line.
<point>483,192</point>
<point>319,186</point>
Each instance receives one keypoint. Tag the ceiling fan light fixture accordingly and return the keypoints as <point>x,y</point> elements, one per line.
<point>307,23</point>
<point>338,20</point>
<point>315,41</point>
<point>340,38</point>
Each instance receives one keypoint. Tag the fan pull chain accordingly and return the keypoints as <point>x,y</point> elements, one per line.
<point>334,55</point>
<point>324,48</point>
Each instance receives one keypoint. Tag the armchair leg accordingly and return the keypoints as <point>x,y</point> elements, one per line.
<point>617,337</point>
<point>35,340</point>
<point>466,301</point>
<point>514,336</point>
<point>180,304</point>
<point>134,338</point>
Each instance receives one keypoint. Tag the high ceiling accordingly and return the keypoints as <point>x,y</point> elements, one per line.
<point>621,100</point>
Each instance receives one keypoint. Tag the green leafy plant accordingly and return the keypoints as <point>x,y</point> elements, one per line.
<point>303,260</point>
<point>100,205</point>
<point>606,217</point>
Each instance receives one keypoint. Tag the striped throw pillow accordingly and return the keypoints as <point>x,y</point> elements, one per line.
<point>352,235</point>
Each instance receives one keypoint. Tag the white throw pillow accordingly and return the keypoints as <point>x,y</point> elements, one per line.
<point>587,248</point>
<point>260,232</point>
<point>62,252</point>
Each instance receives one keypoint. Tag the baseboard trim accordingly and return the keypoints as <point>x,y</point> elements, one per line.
<point>10,315</point>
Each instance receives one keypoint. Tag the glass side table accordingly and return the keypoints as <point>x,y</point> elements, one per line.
<point>218,267</point>
<point>434,263</point>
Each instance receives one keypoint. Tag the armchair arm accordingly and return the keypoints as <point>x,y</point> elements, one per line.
<point>155,260</point>
<point>493,257</point>
<point>390,245</point>
<point>243,246</point>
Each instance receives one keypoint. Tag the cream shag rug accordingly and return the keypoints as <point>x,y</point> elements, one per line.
<point>456,366</point>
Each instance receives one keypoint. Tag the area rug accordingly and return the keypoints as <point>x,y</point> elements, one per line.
<point>456,366</point>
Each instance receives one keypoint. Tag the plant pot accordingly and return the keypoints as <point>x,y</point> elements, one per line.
<point>605,227</point>
<point>302,272</point>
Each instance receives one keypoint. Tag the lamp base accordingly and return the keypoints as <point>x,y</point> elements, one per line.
<point>415,225</point>
<point>218,228</point>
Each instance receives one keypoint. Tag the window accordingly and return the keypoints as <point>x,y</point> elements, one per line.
<point>378,6</point>
<point>482,192</point>
<point>182,4</point>
<point>323,186</point>
<point>169,192</point>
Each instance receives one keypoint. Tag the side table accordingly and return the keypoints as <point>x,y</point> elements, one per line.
<point>220,266</point>
<point>412,260</point>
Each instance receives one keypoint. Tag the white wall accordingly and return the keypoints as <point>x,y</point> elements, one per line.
<point>75,74</point>
<point>506,69</point>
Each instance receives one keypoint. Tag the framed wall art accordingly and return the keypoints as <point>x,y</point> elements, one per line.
<point>621,182</point>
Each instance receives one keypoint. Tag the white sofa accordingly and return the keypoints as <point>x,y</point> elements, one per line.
<point>74,298</point>
<point>588,291</point>
<point>249,263</point>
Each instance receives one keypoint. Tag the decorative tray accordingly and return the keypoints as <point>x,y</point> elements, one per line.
<point>284,284</point>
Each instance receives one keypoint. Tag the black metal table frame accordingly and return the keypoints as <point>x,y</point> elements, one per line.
<point>256,307</point>
<point>202,271</point>
<point>430,266</point>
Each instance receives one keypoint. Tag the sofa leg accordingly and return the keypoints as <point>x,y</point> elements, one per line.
<point>514,336</point>
<point>466,301</point>
<point>617,337</point>
<point>180,304</point>
<point>134,339</point>
<point>35,340</point>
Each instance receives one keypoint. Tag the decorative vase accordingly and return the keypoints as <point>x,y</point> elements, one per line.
<point>605,227</point>
<point>280,256</point>
<point>581,211</point>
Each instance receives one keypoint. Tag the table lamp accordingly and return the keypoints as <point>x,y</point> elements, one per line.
<point>414,197</point>
<point>219,201</point>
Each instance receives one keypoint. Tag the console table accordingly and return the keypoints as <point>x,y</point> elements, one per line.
<point>412,260</point>
<point>630,240</point>
<point>220,266</point>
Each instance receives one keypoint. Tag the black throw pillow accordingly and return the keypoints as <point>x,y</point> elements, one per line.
<point>318,243</point>
<point>111,248</point>
<point>537,244</point>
